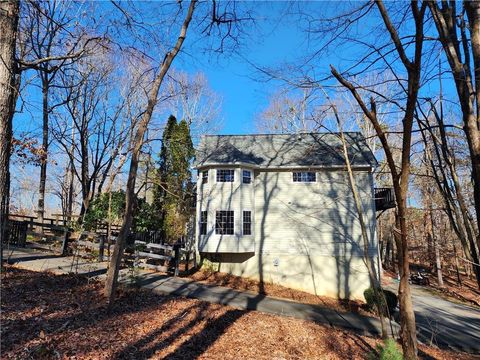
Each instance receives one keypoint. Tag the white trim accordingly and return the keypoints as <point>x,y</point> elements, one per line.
<point>251,176</point>
<point>223,182</point>
<point>281,168</point>
<point>304,182</point>
<point>252,227</point>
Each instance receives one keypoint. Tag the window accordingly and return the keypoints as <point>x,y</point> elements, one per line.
<point>304,177</point>
<point>247,223</point>
<point>247,176</point>
<point>203,223</point>
<point>224,223</point>
<point>205,177</point>
<point>225,175</point>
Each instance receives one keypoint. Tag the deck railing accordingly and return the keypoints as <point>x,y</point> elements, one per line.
<point>384,199</point>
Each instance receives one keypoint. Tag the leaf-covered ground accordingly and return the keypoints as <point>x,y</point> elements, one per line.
<point>49,316</point>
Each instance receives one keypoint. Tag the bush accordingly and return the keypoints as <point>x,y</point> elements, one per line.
<point>388,351</point>
<point>378,298</point>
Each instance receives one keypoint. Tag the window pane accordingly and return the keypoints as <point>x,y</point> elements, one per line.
<point>247,223</point>
<point>304,176</point>
<point>205,177</point>
<point>203,223</point>
<point>225,175</point>
<point>224,222</point>
<point>247,177</point>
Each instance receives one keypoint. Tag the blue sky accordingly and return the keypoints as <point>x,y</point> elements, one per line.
<point>274,40</point>
<point>244,96</point>
<point>278,39</point>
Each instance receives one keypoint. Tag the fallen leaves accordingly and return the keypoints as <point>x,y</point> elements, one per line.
<point>75,324</point>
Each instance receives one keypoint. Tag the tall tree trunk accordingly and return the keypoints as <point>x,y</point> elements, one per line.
<point>373,276</point>
<point>388,250</point>
<point>400,175</point>
<point>457,266</point>
<point>9,13</point>
<point>116,258</point>
<point>472,127</point>
<point>436,249</point>
<point>466,83</point>
<point>44,162</point>
<point>408,331</point>
<point>375,281</point>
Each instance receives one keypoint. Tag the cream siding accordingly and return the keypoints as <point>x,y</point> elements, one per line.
<point>234,196</point>
<point>318,217</point>
<point>304,235</point>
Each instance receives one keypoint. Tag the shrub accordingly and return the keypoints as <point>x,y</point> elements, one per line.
<point>392,300</point>
<point>378,298</point>
<point>389,351</point>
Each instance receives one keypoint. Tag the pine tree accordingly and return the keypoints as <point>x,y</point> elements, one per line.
<point>173,192</point>
<point>164,167</point>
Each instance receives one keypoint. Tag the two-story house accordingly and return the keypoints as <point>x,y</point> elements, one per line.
<point>280,209</point>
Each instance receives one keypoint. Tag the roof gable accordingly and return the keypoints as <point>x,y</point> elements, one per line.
<point>284,150</point>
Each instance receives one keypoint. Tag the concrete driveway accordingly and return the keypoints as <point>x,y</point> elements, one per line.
<point>445,323</point>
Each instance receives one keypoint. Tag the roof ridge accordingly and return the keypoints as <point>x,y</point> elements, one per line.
<point>283,134</point>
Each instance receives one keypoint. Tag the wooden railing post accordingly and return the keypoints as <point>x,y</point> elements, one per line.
<point>101,248</point>
<point>22,240</point>
<point>66,238</point>
<point>176,249</point>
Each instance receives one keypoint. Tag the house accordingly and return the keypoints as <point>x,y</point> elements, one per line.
<point>279,208</point>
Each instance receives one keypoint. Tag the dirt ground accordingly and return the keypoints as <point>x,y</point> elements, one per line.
<point>46,316</point>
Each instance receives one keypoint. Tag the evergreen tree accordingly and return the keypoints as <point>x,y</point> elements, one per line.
<point>173,192</point>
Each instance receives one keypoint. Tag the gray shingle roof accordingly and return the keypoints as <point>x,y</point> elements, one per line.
<point>283,150</point>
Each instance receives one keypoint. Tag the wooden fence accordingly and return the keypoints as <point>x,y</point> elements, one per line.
<point>58,223</point>
<point>146,249</point>
<point>164,257</point>
<point>16,233</point>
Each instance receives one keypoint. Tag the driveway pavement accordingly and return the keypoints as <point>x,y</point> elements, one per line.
<point>445,323</point>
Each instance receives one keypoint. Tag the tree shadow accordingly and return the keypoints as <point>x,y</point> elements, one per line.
<point>199,343</point>
<point>57,296</point>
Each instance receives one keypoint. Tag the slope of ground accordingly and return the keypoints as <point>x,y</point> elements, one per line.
<point>240,283</point>
<point>48,316</point>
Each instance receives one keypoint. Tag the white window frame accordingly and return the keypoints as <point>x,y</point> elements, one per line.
<point>251,222</point>
<point>249,176</point>
<point>204,177</point>
<point>217,176</point>
<point>222,233</point>
<point>301,176</point>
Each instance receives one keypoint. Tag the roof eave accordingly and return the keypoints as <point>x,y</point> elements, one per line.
<point>289,167</point>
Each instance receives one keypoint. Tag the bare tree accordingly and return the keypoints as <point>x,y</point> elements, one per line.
<point>462,52</point>
<point>112,274</point>
<point>290,111</point>
<point>192,100</point>
<point>220,20</point>
<point>9,13</point>
<point>400,175</point>
<point>373,275</point>
<point>443,166</point>
<point>96,123</point>
<point>50,44</point>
